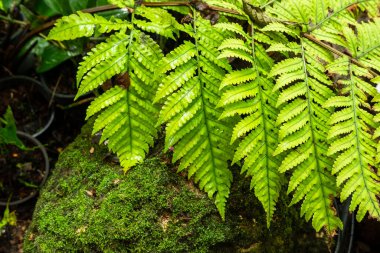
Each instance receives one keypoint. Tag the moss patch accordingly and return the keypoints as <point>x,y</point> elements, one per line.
<point>89,205</point>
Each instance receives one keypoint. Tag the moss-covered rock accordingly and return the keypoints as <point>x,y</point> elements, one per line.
<point>90,205</point>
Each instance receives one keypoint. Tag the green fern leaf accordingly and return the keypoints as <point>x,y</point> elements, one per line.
<point>238,77</point>
<point>286,66</point>
<point>174,80</point>
<point>160,21</point>
<point>191,92</point>
<point>355,148</point>
<point>303,134</point>
<point>125,113</point>
<point>178,56</point>
<point>84,25</point>
<point>376,134</point>
<point>122,3</point>
<point>104,71</point>
<point>278,27</point>
<point>232,27</point>
<point>247,95</point>
<point>108,98</point>
<point>102,52</point>
<point>234,43</point>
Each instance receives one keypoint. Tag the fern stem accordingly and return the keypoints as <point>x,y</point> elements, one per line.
<point>337,52</point>
<point>202,95</point>
<point>264,126</point>
<point>15,21</point>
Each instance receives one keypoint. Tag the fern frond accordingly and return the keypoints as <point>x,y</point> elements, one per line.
<point>234,43</point>
<point>289,47</point>
<point>127,116</point>
<point>238,77</point>
<point>368,44</point>
<point>159,21</point>
<point>125,113</point>
<point>303,134</point>
<point>247,90</point>
<point>84,25</point>
<point>191,92</point>
<point>354,146</point>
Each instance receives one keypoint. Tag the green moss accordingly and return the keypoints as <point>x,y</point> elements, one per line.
<point>89,205</point>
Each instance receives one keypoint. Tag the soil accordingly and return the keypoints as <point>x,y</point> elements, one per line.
<point>21,171</point>
<point>30,108</point>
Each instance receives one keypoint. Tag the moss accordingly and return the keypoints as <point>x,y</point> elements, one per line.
<point>89,205</point>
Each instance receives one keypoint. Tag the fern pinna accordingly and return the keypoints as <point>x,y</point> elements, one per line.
<point>285,87</point>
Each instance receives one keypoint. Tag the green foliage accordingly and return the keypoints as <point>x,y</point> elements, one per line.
<point>84,209</point>
<point>284,86</point>
<point>191,92</point>
<point>8,130</point>
<point>9,218</point>
<point>248,94</point>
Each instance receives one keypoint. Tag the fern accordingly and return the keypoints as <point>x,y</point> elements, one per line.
<point>84,25</point>
<point>125,113</point>
<point>283,86</point>
<point>303,134</point>
<point>353,123</point>
<point>353,144</point>
<point>123,3</point>
<point>190,91</point>
<point>248,94</point>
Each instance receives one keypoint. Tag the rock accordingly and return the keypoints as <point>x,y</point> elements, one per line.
<point>90,205</point>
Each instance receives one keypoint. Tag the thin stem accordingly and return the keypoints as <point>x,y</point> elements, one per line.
<point>337,52</point>
<point>15,21</point>
<point>78,103</point>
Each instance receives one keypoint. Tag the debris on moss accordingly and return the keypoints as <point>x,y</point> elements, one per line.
<point>90,205</point>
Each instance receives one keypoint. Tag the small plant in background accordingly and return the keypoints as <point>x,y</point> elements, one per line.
<point>8,130</point>
<point>8,219</point>
<point>286,87</point>
<point>8,135</point>
<point>24,166</point>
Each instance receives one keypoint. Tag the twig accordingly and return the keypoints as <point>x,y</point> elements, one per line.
<point>54,90</point>
<point>15,21</point>
<point>337,52</point>
<point>80,102</point>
